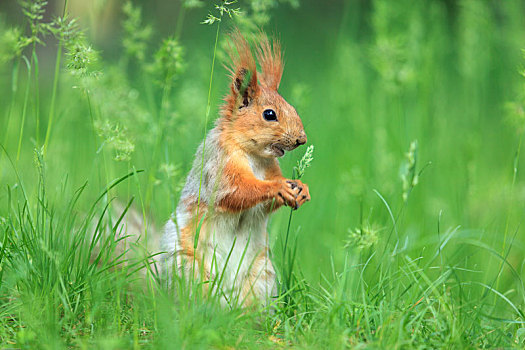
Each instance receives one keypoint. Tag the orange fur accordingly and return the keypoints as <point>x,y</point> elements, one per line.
<point>274,173</point>
<point>247,191</point>
<point>242,63</point>
<point>187,235</point>
<point>271,62</point>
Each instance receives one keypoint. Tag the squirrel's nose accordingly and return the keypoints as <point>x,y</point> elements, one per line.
<point>301,140</point>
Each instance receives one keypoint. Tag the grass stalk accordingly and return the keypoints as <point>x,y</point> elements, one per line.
<point>206,118</point>
<point>24,108</point>
<point>509,210</point>
<point>14,90</point>
<point>36,94</point>
<point>53,96</point>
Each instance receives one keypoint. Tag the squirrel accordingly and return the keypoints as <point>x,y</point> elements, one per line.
<point>218,231</point>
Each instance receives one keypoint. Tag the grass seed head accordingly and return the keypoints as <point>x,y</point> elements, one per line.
<point>136,33</point>
<point>362,237</point>
<point>81,59</point>
<point>115,136</point>
<point>11,43</point>
<point>223,8</point>
<point>304,162</point>
<point>409,175</point>
<point>67,31</point>
<point>34,11</point>
<point>168,62</point>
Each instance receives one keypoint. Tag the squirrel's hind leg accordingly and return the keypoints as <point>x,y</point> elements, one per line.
<point>182,268</point>
<point>260,285</point>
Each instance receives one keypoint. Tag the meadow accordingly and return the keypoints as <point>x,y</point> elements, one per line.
<point>413,238</point>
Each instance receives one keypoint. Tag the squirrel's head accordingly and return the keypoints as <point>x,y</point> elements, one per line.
<point>254,115</point>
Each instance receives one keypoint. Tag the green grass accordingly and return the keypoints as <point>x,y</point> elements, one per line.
<point>404,245</point>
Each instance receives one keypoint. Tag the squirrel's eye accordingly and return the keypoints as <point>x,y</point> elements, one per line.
<point>270,115</point>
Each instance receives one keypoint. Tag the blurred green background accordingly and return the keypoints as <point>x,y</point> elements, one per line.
<point>367,78</point>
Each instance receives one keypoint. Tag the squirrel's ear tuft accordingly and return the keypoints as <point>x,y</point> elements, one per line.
<point>243,71</point>
<point>270,59</point>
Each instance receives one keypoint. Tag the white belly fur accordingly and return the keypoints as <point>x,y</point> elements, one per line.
<point>228,249</point>
<point>231,244</point>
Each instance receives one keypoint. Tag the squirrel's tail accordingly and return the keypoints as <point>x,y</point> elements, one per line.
<point>135,238</point>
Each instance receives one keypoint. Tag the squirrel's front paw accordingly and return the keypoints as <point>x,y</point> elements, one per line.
<point>292,193</point>
<point>302,190</point>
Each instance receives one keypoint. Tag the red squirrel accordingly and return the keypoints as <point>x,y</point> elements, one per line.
<point>236,183</point>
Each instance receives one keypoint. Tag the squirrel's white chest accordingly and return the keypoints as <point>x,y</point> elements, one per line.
<point>243,233</point>
<point>258,167</point>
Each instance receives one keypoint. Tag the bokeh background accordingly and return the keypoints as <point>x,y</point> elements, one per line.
<point>368,78</point>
